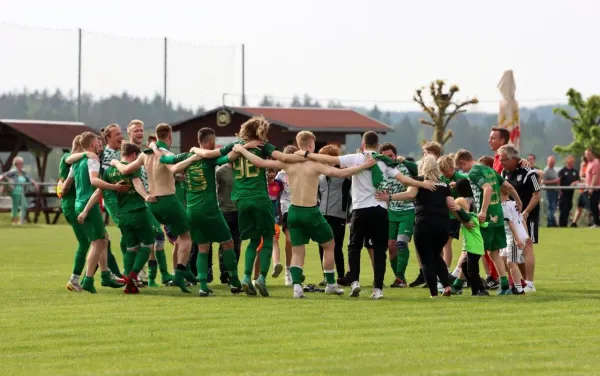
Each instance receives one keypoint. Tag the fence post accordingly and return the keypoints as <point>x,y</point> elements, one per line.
<point>79,32</point>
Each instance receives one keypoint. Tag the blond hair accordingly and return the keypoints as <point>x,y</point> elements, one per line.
<point>434,148</point>
<point>445,163</point>
<point>303,138</point>
<point>105,132</point>
<point>17,160</point>
<point>256,128</point>
<point>163,130</point>
<point>86,139</point>
<point>332,150</point>
<point>76,144</point>
<point>428,168</point>
<point>133,123</point>
<point>290,149</point>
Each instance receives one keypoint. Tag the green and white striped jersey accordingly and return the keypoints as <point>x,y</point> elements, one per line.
<point>393,186</point>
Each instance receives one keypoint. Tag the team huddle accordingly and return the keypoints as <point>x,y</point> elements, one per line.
<point>144,187</point>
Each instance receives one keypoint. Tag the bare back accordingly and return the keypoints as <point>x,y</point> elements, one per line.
<point>304,183</point>
<point>161,181</point>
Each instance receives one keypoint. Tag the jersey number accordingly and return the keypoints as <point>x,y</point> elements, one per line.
<point>244,168</point>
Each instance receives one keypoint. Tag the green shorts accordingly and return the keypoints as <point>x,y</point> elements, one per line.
<point>155,225</point>
<point>93,226</point>
<point>306,223</point>
<point>494,238</point>
<point>256,218</point>
<point>208,226</point>
<point>112,208</point>
<point>169,211</point>
<point>77,227</point>
<point>136,228</point>
<point>401,223</point>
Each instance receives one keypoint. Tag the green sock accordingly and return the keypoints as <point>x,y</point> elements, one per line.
<point>202,266</point>
<point>296,273</point>
<point>394,265</point>
<point>249,257</point>
<point>330,276</point>
<point>80,255</point>
<point>458,284</point>
<point>152,269</point>
<point>266,253</point>
<point>161,258</point>
<point>230,262</point>
<point>141,258</point>
<point>128,260</point>
<point>123,248</point>
<point>113,266</point>
<point>504,283</point>
<point>403,256</point>
<point>88,284</point>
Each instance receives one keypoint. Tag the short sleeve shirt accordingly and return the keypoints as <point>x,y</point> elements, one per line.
<point>478,177</point>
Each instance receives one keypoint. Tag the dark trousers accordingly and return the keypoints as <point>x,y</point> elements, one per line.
<point>232,221</point>
<point>338,226</point>
<point>552,197</point>
<point>430,237</point>
<point>368,223</point>
<point>565,204</point>
<point>470,267</point>
<point>594,201</point>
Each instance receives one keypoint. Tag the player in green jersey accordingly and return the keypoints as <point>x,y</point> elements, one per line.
<point>207,221</point>
<point>88,188</point>
<point>68,197</point>
<point>255,210</point>
<point>486,183</point>
<point>134,219</point>
<point>401,216</point>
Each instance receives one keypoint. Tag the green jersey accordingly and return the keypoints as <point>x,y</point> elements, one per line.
<point>200,181</point>
<point>393,186</point>
<point>127,201</point>
<point>68,199</point>
<point>84,189</point>
<point>472,241</point>
<point>249,181</point>
<point>108,155</point>
<point>478,177</point>
<point>453,179</point>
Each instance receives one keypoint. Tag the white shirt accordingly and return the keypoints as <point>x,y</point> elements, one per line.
<point>363,192</point>
<point>511,214</point>
<point>286,196</point>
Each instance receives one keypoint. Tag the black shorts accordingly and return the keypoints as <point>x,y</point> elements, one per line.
<point>454,228</point>
<point>284,225</point>
<point>532,228</point>
<point>584,201</point>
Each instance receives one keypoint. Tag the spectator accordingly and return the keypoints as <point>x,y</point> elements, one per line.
<point>583,204</point>
<point>19,178</point>
<point>550,179</point>
<point>592,179</point>
<point>568,176</point>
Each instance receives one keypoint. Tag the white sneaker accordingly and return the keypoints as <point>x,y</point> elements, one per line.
<point>334,290</point>
<point>529,288</point>
<point>277,269</point>
<point>377,294</point>
<point>288,279</point>
<point>298,292</point>
<point>355,289</point>
<point>73,285</point>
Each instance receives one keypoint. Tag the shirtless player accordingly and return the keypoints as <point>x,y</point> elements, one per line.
<point>305,220</point>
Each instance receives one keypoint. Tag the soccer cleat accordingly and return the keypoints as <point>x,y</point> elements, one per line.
<point>505,292</point>
<point>247,287</point>
<point>152,283</point>
<point>398,283</point>
<point>118,279</point>
<point>131,286</point>
<point>204,294</point>
<point>261,285</point>
<point>418,281</point>
<point>88,285</point>
<point>74,286</point>
<point>333,290</point>
<point>277,269</point>
<point>190,277</point>
<point>142,275</point>
<point>179,281</point>
<point>323,283</point>
<point>529,288</point>
<point>298,292</point>
<point>455,291</point>
<point>482,293</point>
<point>355,289</point>
<point>516,292</point>
<point>343,281</point>
<point>491,283</point>
<point>165,278</point>
<point>236,290</point>
<point>288,279</point>
<point>377,294</point>
<point>108,281</point>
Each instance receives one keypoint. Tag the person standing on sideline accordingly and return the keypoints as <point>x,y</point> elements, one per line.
<point>369,219</point>
<point>334,201</point>
<point>19,177</point>
<point>551,179</point>
<point>583,203</point>
<point>592,179</point>
<point>568,176</point>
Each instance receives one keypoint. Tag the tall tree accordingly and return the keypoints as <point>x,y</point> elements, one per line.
<point>375,113</point>
<point>585,123</point>
<point>296,102</point>
<point>266,101</point>
<point>442,110</point>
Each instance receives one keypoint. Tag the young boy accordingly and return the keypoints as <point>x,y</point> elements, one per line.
<point>472,241</point>
<point>516,240</point>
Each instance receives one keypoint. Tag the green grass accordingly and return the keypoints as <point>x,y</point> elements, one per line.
<point>45,329</point>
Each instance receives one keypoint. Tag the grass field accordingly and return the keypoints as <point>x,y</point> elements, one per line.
<point>45,329</point>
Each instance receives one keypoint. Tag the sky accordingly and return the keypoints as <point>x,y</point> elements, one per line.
<point>357,52</point>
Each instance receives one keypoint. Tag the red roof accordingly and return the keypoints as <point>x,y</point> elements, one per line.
<point>52,134</point>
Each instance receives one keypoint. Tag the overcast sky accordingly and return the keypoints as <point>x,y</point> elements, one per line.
<point>360,52</point>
